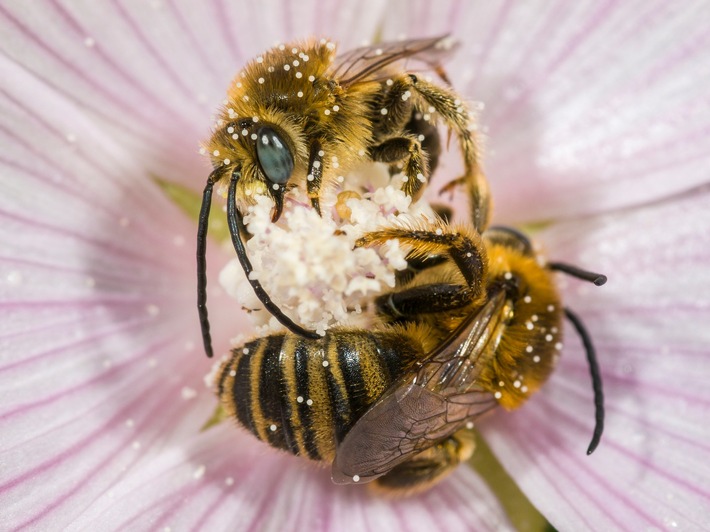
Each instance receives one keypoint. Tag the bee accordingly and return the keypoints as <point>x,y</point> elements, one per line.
<point>476,324</point>
<point>300,116</point>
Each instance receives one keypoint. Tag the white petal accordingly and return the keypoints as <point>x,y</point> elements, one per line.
<point>588,106</point>
<point>153,73</point>
<point>101,369</point>
<point>221,480</point>
<point>649,325</point>
<point>100,346</point>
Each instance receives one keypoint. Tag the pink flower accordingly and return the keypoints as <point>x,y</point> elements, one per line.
<point>597,120</point>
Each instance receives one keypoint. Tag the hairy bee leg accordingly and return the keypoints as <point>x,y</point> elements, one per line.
<point>397,114</point>
<point>457,117</point>
<point>424,299</point>
<point>315,174</point>
<point>428,134</point>
<point>404,149</point>
<point>463,246</point>
<point>428,467</point>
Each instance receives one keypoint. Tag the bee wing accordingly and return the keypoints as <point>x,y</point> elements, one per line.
<point>367,62</point>
<point>424,408</point>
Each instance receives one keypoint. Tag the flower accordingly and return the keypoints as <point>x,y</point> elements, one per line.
<point>596,116</point>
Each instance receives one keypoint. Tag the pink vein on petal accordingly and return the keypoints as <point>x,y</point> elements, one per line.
<point>647,464</point>
<point>149,96</point>
<point>87,340</point>
<point>222,20</point>
<point>189,96</point>
<point>583,33</point>
<point>186,29</point>
<point>40,154</point>
<point>610,408</point>
<point>78,447</point>
<point>123,252</point>
<point>125,107</point>
<point>493,33</point>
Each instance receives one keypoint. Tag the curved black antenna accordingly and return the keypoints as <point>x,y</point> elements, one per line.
<point>524,242</point>
<point>596,278</point>
<point>236,225</point>
<point>596,379</point>
<point>203,223</point>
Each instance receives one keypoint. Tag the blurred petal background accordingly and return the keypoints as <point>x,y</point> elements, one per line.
<point>597,124</point>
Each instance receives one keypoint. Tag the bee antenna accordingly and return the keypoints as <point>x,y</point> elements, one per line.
<point>236,226</point>
<point>596,379</point>
<point>203,223</point>
<point>597,278</point>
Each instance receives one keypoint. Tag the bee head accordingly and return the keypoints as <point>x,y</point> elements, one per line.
<point>266,152</point>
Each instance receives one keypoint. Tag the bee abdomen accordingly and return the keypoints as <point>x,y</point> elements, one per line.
<point>303,395</point>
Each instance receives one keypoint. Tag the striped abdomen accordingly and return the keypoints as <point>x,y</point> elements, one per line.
<point>303,395</point>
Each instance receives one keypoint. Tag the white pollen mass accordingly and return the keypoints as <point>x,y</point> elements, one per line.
<point>309,264</point>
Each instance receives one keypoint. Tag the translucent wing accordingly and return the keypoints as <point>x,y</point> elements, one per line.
<point>423,408</point>
<point>377,61</point>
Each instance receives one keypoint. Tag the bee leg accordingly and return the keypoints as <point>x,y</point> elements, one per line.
<point>457,117</point>
<point>415,265</point>
<point>412,303</point>
<point>464,247</point>
<point>315,174</point>
<point>408,149</point>
<point>428,467</point>
<point>428,134</point>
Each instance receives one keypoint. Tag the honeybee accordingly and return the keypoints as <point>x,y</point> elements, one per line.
<point>477,324</point>
<point>300,116</point>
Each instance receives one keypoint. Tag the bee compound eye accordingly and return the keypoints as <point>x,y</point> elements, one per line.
<point>274,156</point>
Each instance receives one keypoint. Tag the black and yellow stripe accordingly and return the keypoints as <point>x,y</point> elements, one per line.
<point>303,395</point>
